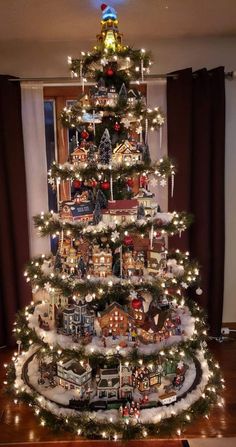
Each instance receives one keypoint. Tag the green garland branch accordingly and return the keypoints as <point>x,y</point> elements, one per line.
<point>93,68</point>
<point>75,115</point>
<point>51,224</point>
<point>162,168</point>
<point>109,291</point>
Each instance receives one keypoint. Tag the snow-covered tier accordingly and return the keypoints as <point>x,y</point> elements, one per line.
<point>160,403</point>
<point>179,327</point>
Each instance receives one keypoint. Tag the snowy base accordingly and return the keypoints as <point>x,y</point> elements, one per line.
<point>147,415</point>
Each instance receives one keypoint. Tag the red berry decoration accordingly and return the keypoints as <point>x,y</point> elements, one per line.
<point>117,126</point>
<point>130,182</point>
<point>105,186</point>
<point>128,240</point>
<point>136,303</point>
<point>143,180</point>
<point>109,71</point>
<point>76,184</point>
<point>172,291</point>
<point>84,134</point>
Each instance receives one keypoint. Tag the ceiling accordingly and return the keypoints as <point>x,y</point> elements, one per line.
<point>78,20</point>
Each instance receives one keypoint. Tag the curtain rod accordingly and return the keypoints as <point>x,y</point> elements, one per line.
<point>230,75</point>
<point>75,80</point>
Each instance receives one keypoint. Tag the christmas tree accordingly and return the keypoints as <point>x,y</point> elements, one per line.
<point>112,345</point>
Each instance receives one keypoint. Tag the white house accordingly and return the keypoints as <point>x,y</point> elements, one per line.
<point>74,375</point>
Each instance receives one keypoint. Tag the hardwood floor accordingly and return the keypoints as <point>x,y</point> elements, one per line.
<point>18,423</point>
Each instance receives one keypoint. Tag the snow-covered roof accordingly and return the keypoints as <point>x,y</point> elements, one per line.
<point>75,367</point>
<point>127,147</point>
<point>144,193</point>
<point>113,306</point>
<point>78,150</point>
<point>125,204</point>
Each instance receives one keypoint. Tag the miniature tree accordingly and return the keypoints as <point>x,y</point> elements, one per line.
<point>97,214</point>
<point>141,212</point>
<point>105,148</point>
<point>120,343</point>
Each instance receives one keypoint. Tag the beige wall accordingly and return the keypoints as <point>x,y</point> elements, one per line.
<point>32,59</point>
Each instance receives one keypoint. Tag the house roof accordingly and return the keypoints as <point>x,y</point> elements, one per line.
<point>75,367</point>
<point>121,206</point>
<point>149,324</point>
<point>78,150</point>
<point>109,371</point>
<point>134,94</point>
<point>79,209</point>
<point>144,193</point>
<point>69,310</point>
<point>126,147</point>
<point>113,306</point>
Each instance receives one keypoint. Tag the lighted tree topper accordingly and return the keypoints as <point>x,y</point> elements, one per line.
<point>112,346</point>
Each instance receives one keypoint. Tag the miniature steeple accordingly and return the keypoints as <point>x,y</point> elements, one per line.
<point>110,38</point>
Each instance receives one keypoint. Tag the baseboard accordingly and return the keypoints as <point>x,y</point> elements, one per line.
<point>229,325</point>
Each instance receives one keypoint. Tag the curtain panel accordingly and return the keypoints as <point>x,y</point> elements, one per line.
<point>196,140</point>
<point>14,249</point>
<point>35,159</point>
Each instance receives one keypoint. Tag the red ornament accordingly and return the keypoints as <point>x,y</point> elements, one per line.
<point>136,303</point>
<point>103,6</point>
<point>117,126</point>
<point>109,72</point>
<point>93,183</point>
<point>143,180</point>
<point>76,184</point>
<point>105,186</point>
<point>130,182</point>
<point>128,240</point>
<point>84,134</point>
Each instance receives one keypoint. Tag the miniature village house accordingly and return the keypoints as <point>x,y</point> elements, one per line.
<point>101,265</point>
<point>80,154</point>
<point>145,198</point>
<point>74,375</point>
<point>138,312</point>
<point>56,303</point>
<point>133,96</point>
<point>132,264</point>
<point>79,209</point>
<point>115,383</point>
<point>78,319</point>
<point>126,152</point>
<point>70,261</point>
<point>153,329</point>
<point>156,262</point>
<point>144,378</point>
<point>103,96</point>
<point>114,320</point>
<point>120,211</point>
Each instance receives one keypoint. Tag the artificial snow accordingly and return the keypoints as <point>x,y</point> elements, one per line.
<point>112,345</point>
<point>147,415</point>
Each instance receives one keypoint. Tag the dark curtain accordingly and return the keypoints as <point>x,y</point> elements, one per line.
<point>196,140</point>
<point>14,248</point>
